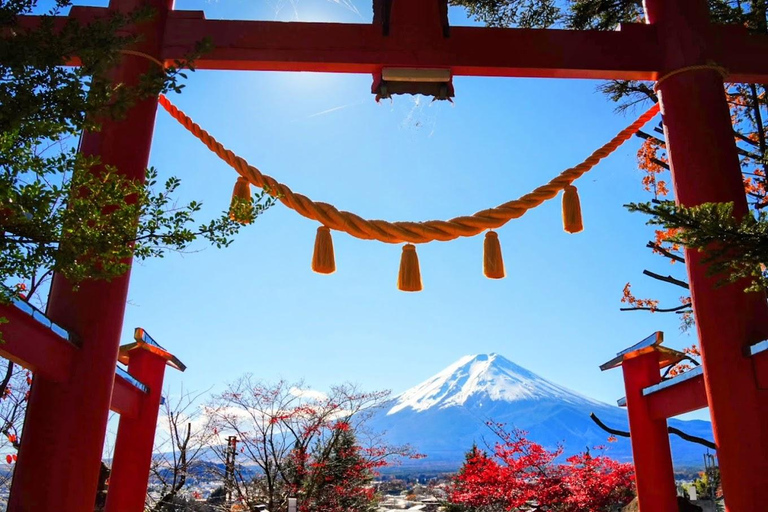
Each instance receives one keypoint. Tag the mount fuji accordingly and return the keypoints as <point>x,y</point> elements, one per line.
<point>444,415</point>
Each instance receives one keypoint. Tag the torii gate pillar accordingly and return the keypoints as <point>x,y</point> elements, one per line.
<point>651,453</point>
<point>60,455</point>
<point>135,439</point>
<point>65,425</point>
<point>705,168</point>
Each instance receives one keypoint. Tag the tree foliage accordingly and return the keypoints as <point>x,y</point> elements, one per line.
<point>735,250</point>
<point>14,393</point>
<point>60,210</point>
<point>576,14</point>
<point>336,475</point>
<point>506,13</point>
<point>520,473</point>
<point>297,442</point>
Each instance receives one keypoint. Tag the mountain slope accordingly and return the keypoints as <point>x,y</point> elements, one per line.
<point>443,416</point>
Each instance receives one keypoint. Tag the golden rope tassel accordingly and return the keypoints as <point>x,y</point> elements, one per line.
<point>413,232</point>
<point>493,263</point>
<point>571,210</point>
<point>242,192</point>
<point>409,279</point>
<point>323,261</point>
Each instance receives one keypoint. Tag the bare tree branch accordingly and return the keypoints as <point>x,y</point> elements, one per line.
<point>663,251</point>
<point>657,310</point>
<point>667,279</point>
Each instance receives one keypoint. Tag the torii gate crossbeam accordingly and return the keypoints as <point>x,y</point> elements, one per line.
<point>701,148</point>
<point>634,52</point>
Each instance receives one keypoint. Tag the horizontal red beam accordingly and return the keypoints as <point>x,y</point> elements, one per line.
<point>744,56</point>
<point>632,53</point>
<point>32,344</point>
<point>35,346</point>
<point>126,398</point>
<point>685,396</point>
<point>690,395</point>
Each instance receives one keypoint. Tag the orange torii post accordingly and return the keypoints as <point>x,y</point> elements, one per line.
<point>135,439</point>
<point>678,45</point>
<point>651,400</point>
<point>651,453</point>
<point>60,456</point>
<point>705,168</point>
<point>35,342</point>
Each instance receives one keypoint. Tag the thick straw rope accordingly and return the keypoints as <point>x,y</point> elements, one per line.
<point>413,232</point>
<point>698,67</point>
<point>144,56</point>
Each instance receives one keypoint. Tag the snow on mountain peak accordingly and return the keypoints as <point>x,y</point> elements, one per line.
<point>481,377</point>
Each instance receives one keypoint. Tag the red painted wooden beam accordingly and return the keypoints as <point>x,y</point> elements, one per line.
<point>630,53</point>
<point>690,394</point>
<point>741,54</point>
<point>135,435</point>
<point>126,397</point>
<point>361,48</point>
<point>52,472</point>
<point>30,342</point>
<point>686,395</point>
<point>650,442</point>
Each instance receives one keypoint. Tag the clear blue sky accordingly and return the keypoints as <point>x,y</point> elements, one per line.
<point>257,307</point>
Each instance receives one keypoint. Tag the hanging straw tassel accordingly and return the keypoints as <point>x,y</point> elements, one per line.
<point>409,279</point>
<point>493,263</point>
<point>242,191</point>
<point>571,210</point>
<point>323,261</point>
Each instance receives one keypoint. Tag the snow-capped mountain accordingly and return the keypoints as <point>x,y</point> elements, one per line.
<point>443,416</point>
<point>488,376</point>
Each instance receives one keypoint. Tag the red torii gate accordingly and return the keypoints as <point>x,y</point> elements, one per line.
<point>33,341</point>
<point>650,401</point>
<point>415,34</point>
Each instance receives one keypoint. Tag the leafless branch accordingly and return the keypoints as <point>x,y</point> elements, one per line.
<point>667,279</point>
<point>663,251</point>
<point>657,310</point>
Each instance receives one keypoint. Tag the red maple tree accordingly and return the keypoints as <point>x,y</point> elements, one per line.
<point>337,476</point>
<point>521,473</point>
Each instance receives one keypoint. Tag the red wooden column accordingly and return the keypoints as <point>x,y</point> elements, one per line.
<point>60,456</point>
<point>705,168</point>
<point>136,436</point>
<point>655,475</point>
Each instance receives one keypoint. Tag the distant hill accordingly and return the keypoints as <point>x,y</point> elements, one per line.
<point>445,414</point>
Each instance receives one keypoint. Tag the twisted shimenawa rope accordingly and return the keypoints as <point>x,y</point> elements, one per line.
<point>413,232</point>
<point>698,67</point>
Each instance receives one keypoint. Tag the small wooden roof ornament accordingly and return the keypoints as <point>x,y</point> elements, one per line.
<point>667,356</point>
<point>437,83</point>
<point>143,341</point>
